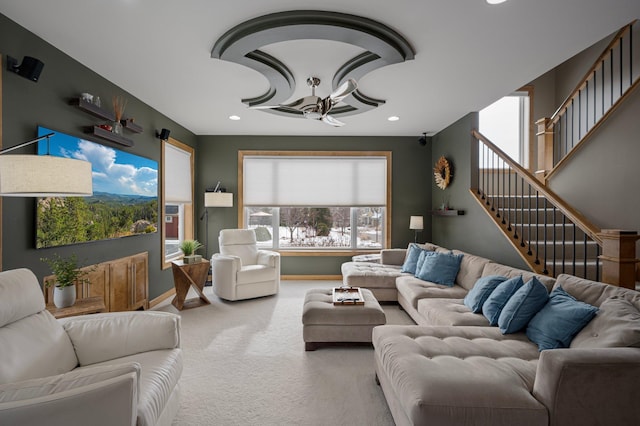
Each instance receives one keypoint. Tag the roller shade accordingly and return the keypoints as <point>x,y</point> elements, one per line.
<point>177,175</point>
<point>315,181</point>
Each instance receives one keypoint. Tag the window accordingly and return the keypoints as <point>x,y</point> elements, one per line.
<point>506,123</point>
<point>302,201</point>
<point>177,198</point>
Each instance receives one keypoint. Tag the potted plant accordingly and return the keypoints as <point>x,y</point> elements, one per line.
<point>66,275</point>
<point>189,248</point>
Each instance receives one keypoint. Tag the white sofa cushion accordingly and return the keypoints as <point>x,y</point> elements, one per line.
<point>159,375</point>
<point>471,268</point>
<point>80,377</point>
<point>20,295</point>
<point>35,346</point>
<point>241,243</point>
<point>102,337</point>
<point>251,274</point>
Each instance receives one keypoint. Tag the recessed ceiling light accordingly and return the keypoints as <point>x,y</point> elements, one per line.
<point>393,118</point>
<point>234,117</point>
<point>495,1</point>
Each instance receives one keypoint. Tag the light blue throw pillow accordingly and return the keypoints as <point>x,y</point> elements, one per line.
<point>440,268</point>
<point>481,291</point>
<point>559,320</point>
<point>411,261</point>
<point>522,306</point>
<point>499,297</point>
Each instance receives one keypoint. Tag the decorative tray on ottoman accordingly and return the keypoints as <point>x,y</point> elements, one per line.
<point>347,296</point>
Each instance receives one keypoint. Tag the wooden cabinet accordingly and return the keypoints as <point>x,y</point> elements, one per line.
<point>131,277</point>
<point>122,283</point>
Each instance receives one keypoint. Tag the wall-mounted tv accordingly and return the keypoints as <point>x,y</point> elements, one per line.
<point>124,201</point>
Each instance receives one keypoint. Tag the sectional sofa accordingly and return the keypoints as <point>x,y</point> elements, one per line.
<point>454,368</point>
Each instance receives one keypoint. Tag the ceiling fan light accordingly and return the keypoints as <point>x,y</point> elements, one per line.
<point>393,118</point>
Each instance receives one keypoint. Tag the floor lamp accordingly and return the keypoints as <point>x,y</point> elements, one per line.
<point>214,199</point>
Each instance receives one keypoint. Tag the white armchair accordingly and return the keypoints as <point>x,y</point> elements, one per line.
<point>117,368</point>
<point>240,270</point>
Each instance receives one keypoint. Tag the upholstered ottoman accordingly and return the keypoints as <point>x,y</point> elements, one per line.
<point>325,323</point>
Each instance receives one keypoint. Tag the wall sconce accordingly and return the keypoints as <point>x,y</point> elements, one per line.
<point>417,224</point>
<point>30,68</point>
<point>43,175</point>
<point>163,134</point>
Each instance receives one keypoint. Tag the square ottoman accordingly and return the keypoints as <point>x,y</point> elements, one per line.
<point>326,323</point>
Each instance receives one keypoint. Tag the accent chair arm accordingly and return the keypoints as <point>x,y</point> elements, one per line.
<point>393,256</point>
<point>589,386</point>
<point>102,396</point>
<point>102,337</point>
<point>268,258</point>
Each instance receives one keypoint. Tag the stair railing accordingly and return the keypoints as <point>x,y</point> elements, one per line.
<point>604,87</point>
<point>551,236</point>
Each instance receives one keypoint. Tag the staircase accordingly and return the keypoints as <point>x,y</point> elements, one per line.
<point>550,235</point>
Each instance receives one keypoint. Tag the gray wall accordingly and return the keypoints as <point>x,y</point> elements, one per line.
<point>217,160</point>
<point>25,106</point>
<point>473,232</point>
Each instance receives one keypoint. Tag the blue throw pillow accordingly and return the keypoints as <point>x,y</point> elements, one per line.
<point>499,297</point>
<point>440,268</point>
<point>522,306</point>
<point>423,255</point>
<point>559,320</point>
<point>481,291</point>
<point>411,261</point>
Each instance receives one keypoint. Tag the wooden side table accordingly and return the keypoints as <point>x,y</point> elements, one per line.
<point>90,305</point>
<point>186,275</point>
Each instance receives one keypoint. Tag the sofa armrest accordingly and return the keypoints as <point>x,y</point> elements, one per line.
<point>589,386</point>
<point>392,256</point>
<point>95,396</point>
<point>268,258</point>
<point>103,337</point>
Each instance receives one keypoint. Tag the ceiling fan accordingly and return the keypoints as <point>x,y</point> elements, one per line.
<point>314,107</point>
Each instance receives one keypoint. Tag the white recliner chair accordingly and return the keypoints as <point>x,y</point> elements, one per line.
<point>240,270</point>
<point>118,368</point>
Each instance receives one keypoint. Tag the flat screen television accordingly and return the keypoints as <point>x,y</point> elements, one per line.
<point>124,201</point>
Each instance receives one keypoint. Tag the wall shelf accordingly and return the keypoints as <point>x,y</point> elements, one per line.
<point>107,135</point>
<point>96,111</point>
<point>92,109</point>
<point>447,212</point>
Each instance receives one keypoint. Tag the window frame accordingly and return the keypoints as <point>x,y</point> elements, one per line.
<point>188,208</point>
<point>312,251</point>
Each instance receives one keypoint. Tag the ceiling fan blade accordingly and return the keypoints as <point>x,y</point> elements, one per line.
<point>332,121</point>
<point>263,106</point>
<point>344,90</point>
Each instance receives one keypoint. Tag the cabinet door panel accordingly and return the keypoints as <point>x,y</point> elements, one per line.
<point>140,283</point>
<point>120,285</point>
<point>96,282</point>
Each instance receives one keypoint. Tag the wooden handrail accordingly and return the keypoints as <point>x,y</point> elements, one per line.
<point>616,39</point>
<point>575,216</point>
<point>565,160</point>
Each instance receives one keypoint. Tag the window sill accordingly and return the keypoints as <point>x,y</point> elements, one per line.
<point>311,252</point>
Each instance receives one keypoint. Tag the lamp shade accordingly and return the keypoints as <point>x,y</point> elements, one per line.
<point>416,223</point>
<point>218,199</point>
<point>44,176</point>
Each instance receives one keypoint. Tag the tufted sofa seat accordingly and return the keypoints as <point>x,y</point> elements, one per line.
<point>470,373</point>
<point>458,375</point>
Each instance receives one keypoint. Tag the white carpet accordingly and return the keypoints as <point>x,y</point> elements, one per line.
<point>245,364</point>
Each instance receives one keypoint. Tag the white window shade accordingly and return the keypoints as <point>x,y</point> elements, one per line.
<point>177,175</point>
<point>315,181</point>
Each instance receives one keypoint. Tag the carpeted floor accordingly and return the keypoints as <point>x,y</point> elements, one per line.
<point>245,364</point>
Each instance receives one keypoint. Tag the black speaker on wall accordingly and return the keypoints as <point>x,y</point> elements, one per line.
<point>30,68</point>
<point>163,134</point>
